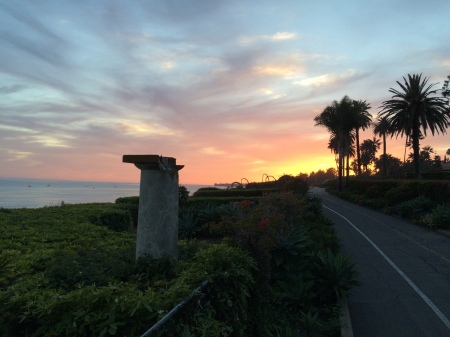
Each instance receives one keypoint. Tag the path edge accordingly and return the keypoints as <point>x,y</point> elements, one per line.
<point>346,323</point>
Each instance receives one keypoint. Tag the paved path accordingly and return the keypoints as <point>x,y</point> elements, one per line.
<point>404,272</point>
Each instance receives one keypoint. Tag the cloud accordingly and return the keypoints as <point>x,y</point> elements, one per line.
<point>277,37</point>
<point>276,70</point>
<point>282,36</point>
<point>49,141</point>
<point>212,151</point>
<point>326,79</point>
<point>11,89</point>
<point>236,84</point>
<point>145,130</point>
<point>17,155</point>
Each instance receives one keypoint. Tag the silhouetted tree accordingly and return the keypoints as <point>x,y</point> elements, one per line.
<point>413,110</point>
<point>381,128</point>
<point>339,121</point>
<point>393,165</point>
<point>369,148</point>
<point>362,120</point>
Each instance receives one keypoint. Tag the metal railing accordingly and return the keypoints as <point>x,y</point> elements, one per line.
<point>174,311</point>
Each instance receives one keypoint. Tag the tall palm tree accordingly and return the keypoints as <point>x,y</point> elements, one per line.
<point>413,110</point>
<point>382,128</point>
<point>362,120</point>
<point>337,119</point>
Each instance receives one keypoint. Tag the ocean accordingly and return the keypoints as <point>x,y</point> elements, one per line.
<point>23,193</point>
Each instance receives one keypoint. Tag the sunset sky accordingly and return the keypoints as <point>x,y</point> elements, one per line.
<point>228,88</point>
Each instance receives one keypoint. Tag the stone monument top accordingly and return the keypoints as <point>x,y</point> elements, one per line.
<point>152,162</point>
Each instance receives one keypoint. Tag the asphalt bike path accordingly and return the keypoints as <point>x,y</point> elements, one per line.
<point>404,271</point>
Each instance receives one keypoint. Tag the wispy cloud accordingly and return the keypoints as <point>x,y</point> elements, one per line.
<point>223,86</point>
<point>277,37</point>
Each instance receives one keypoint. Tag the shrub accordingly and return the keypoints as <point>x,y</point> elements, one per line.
<point>297,185</point>
<point>335,275</point>
<point>131,204</point>
<point>94,285</point>
<point>321,232</point>
<point>34,306</point>
<point>378,189</point>
<point>231,273</point>
<point>404,192</point>
<point>433,175</point>
<point>188,225</point>
<point>183,195</point>
<point>412,207</point>
<point>66,268</point>
<point>118,220</point>
<point>439,218</point>
<point>234,192</point>
<point>376,203</point>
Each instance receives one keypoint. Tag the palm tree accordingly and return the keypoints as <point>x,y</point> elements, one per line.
<point>337,119</point>
<point>426,153</point>
<point>393,164</point>
<point>362,120</point>
<point>412,111</point>
<point>382,128</point>
<point>369,148</point>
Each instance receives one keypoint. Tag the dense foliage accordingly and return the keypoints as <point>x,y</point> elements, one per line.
<point>425,202</point>
<point>272,263</point>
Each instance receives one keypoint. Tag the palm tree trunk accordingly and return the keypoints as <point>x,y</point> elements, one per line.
<point>340,165</point>
<point>358,153</point>
<point>416,149</point>
<point>384,156</point>
<point>348,169</point>
<point>404,154</point>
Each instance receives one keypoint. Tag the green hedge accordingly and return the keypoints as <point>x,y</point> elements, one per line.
<point>431,175</point>
<point>131,204</point>
<point>63,275</point>
<point>30,308</point>
<point>235,192</point>
<point>414,199</point>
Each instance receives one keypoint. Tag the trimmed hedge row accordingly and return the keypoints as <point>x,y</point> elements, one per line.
<point>431,175</point>
<point>410,198</point>
<point>395,191</point>
<point>235,192</point>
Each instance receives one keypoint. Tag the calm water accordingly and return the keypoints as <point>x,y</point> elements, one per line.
<point>40,193</point>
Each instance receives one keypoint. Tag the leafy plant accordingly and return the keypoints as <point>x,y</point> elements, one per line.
<point>314,205</point>
<point>412,207</point>
<point>441,216</point>
<point>188,225</point>
<point>57,261</point>
<point>438,218</point>
<point>295,291</point>
<point>287,249</point>
<point>335,275</point>
<point>310,323</point>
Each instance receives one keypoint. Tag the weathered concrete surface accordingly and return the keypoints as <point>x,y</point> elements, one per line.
<point>157,233</point>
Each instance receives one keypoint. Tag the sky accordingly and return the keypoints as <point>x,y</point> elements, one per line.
<point>228,88</point>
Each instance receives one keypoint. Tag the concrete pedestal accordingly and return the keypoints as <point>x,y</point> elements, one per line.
<point>157,233</point>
